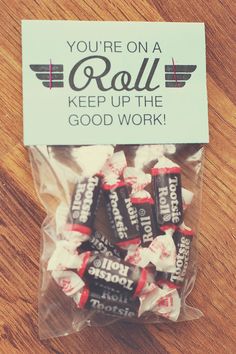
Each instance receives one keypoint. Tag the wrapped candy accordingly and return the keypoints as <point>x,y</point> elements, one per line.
<point>116,273</point>
<point>75,222</point>
<point>107,301</point>
<point>166,180</point>
<point>121,213</point>
<point>183,238</point>
<point>161,252</point>
<point>157,246</point>
<point>65,256</point>
<point>84,204</point>
<point>164,302</point>
<point>100,243</point>
<point>69,281</point>
<point>144,204</point>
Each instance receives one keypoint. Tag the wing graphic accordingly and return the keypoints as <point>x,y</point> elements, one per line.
<point>51,75</point>
<point>177,75</point>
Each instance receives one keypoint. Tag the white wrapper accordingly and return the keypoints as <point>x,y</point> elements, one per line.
<point>139,256</point>
<point>64,257</point>
<point>75,238</point>
<point>152,300</point>
<point>136,178</point>
<point>161,253</point>
<point>164,162</point>
<point>69,281</point>
<point>92,158</point>
<point>169,305</point>
<point>147,153</point>
<point>114,167</point>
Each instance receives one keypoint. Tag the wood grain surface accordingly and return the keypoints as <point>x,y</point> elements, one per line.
<point>21,213</point>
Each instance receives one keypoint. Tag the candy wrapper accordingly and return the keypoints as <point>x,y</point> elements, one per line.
<point>121,213</point>
<point>119,239</point>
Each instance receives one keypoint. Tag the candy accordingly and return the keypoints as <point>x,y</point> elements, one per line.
<point>136,178</point>
<point>74,237</point>
<point>168,305</point>
<point>121,213</point>
<point>182,238</point>
<point>111,271</point>
<point>143,262</point>
<point>107,301</point>
<point>116,287</point>
<point>144,204</point>
<point>148,227</point>
<point>139,256</point>
<point>98,242</point>
<point>84,204</point>
<point>145,154</point>
<point>114,167</point>
<point>65,256</point>
<point>69,281</point>
<point>164,302</point>
<point>87,191</point>
<point>91,158</point>
<point>161,252</point>
<point>166,181</point>
<point>161,249</point>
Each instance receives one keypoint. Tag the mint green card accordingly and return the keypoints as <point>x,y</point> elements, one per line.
<point>114,83</point>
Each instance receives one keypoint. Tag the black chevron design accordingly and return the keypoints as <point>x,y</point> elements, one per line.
<point>177,75</point>
<point>51,75</point>
<point>47,76</point>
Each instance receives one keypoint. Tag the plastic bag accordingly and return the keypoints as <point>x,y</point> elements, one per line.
<point>119,241</point>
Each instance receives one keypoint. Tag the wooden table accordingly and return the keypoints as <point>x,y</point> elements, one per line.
<point>21,213</point>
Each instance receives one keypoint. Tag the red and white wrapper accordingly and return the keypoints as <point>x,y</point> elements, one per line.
<point>147,153</point>
<point>91,158</point>
<point>143,203</point>
<point>65,257</point>
<point>161,253</point>
<point>74,237</point>
<point>165,163</point>
<point>69,281</point>
<point>138,256</point>
<point>121,213</point>
<point>169,305</point>
<point>137,179</point>
<point>163,302</point>
<point>114,167</point>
